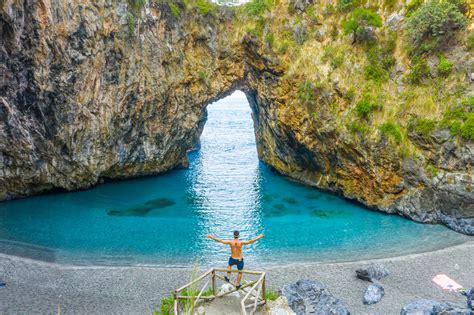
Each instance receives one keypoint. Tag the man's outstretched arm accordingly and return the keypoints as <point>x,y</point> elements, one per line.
<point>253,240</point>
<point>217,239</point>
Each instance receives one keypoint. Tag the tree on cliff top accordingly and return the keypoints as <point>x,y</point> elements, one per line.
<point>360,24</point>
<point>432,25</point>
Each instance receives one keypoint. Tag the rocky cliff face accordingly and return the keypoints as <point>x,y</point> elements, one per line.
<point>94,90</point>
<point>91,91</point>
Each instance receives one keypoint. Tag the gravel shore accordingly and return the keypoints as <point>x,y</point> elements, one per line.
<point>38,287</point>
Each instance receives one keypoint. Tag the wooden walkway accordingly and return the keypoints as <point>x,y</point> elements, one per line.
<point>187,298</point>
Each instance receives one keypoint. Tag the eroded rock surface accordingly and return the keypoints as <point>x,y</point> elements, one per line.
<point>312,297</point>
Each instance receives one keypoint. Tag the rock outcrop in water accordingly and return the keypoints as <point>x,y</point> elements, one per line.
<point>99,90</point>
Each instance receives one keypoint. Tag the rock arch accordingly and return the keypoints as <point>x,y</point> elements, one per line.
<point>89,93</point>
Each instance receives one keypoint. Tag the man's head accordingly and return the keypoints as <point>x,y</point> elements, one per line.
<point>236,234</point>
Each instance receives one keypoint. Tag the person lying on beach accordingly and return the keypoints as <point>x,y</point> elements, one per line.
<point>235,258</point>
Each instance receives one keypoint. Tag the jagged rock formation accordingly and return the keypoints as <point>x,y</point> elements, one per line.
<point>97,90</point>
<point>424,306</point>
<point>312,297</point>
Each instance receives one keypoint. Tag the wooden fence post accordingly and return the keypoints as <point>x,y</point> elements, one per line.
<point>214,282</point>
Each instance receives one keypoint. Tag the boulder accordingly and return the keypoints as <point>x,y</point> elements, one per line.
<point>450,309</point>
<point>431,307</point>
<point>372,272</point>
<point>419,307</point>
<point>312,297</point>
<point>373,294</point>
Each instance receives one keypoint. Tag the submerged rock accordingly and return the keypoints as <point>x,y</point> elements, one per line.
<point>314,196</point>
<point>373,294</point>
<point>144,209</point>
<point>374,271</point>
<point>138,211</point>
<point>290,200</point>
<point>325,214</point>
<point>312,297</point>
<point>160,203</point>
<point>268,197</point>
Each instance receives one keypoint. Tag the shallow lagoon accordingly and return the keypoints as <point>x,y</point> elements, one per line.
<point>164,220</point>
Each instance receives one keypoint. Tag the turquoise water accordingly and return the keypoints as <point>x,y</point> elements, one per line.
<point>164,220</point>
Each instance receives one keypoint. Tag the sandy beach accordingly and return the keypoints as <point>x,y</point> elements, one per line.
<point>38,287</point>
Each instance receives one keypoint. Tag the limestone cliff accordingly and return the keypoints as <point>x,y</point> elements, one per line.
<point>94,90</point>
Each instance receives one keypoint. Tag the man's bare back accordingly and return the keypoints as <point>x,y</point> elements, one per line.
<point>236,258</point>
<point>235,244</point>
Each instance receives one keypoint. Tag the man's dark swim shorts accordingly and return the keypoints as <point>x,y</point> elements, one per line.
<point>239,263</point>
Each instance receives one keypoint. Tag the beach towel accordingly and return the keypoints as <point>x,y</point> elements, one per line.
<point>446,283</point>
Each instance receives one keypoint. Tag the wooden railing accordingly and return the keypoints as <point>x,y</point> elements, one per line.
<point>254,291</point>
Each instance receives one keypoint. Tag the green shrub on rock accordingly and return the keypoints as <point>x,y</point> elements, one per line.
<point>202,75</point>
<point>391,130</point>
<point>306,91</point>
<point>360,24</point>
<point>346,5</point>
<point>257,7</point>
<point>365,107</point>
<point>433,24</point>
<point>205,7</point>
<point>470,42</point>
<point>422,126</point>
<point>131,23</point>
<point>175,10</point>
<point>462,5</point>
<point>379,62</point>
<point>334,56</point>
<point>358,128</point>
<point>467,129</point>
<point>444,66</point>
<point>460,119</point>
<point>419,71</point>
<point>432,170</point>
<point>136,5</point>
<point>272,295</point>
<point>412,6</point>
<point>270,39</point>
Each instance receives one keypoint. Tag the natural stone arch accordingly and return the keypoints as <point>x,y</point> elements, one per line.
<point>88,99</point>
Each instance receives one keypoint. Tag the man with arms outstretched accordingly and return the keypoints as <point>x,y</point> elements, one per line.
<point>236,253</point>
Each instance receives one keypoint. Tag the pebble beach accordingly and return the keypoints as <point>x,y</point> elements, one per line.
<point>34,287</point>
